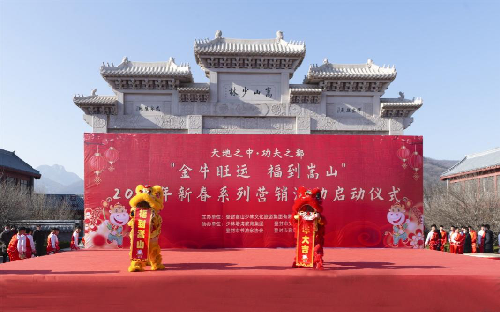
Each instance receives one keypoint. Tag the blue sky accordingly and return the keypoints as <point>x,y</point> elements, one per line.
<point>447,52</point>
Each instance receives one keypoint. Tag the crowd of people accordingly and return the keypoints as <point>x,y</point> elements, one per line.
<point>461,239</point>
<point>22,243</point>
<point>19,244</point>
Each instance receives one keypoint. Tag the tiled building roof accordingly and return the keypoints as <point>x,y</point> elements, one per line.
<point>400,103</point>
<point>155,69</point>
<point>95,99</point>
<point>47,225</point>
<point>194,87</point>
<point>329,71</point>
<point>243,53</point>
<point>305,89</point>
<point>72,201</point>
<point>475,162</point>
<point>10,161</point>
<point>268,47</point>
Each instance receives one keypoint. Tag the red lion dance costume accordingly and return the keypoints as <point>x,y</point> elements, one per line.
<point>309,228</point>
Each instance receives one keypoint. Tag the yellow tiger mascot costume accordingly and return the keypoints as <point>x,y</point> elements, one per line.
<point>152,198</point>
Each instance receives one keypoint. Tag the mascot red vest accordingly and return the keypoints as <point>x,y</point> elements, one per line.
<point>309,228</point>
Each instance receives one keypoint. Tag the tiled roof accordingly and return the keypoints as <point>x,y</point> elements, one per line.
<point>143,69</point>
<point>194,87</point>
<point>230,46</point>
<point>95,99</point>
<point>305,89</point>
<point>9,160</point>
<point>349,71</point>
<point>401,103</point>
<point>475,162</point>
<point>72,201</point>
<point>47,225</point>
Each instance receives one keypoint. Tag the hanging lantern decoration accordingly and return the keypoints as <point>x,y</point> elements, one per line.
<point>403,154</point>
<point>97,165</point>
<point>112,156</point>
<point>416,162</point>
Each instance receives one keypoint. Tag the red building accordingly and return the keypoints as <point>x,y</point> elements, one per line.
<point>15,171</point>
<point>481,170</point>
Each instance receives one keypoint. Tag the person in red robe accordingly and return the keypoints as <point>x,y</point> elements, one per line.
<point>433,238</point>
<point>17,246</point>
<point>53,242</point>
<point>74,239</point>
<point>459,238</point>
<point>444,236</point>
<point>473,237</point>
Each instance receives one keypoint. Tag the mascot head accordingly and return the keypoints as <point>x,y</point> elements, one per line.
<point>308,203</point>
<point>396,214</point>
<point>118,215</point>
<point>148,197</point>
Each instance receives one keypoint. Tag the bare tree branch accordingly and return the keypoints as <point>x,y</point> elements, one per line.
<point>18,203</point>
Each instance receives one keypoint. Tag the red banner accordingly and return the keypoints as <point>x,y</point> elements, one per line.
<point>238,190</point>
<point>140,241</point>
<point>305,243</point>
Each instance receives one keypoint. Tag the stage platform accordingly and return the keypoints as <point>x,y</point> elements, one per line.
<point>354,279</point>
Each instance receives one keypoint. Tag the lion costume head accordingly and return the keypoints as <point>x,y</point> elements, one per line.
<point>148,197</point>
<point>308,202</point>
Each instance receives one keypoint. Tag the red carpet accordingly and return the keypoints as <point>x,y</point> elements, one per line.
<point>253,280</point>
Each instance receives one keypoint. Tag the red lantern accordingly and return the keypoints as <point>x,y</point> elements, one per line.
<point>97,165</point>
<point>416,162</point>
<point>112,156</point>
<point>403,154</point>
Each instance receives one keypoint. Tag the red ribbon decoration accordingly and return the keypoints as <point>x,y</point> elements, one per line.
<point>140,239</point>
<point>305,243</point>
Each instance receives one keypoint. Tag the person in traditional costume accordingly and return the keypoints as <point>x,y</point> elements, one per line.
<point>53,242</point>
<point>451,236</point>
<point>467,246</point>
<point>473,239</point>
<point>74,239</point>
<point>309,224</point>
<point>458,240</point>
<point>17,245</point>
<point>444,236</point>
<point>30,245</point>
<point>480,238</point>
<point>433,238</point>
<point>147,199</point>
